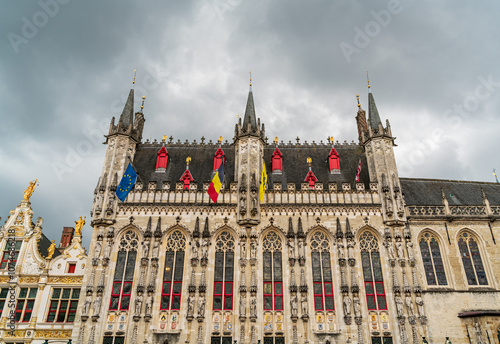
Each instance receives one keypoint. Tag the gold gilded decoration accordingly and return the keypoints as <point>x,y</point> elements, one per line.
<point>51,249</point>
<point>19,218</point>
<point>30,189</point>
<point>31,279</point>
<point>79,225</point>
<point>188,160</point>
<point>52,334</point>
<point>4,279</point>
<point>15,334</point>
<point>65,279</point>
<point>309,160</point>
<point>3,321</point>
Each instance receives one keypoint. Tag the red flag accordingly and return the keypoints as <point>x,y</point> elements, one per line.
<point>356,178</point>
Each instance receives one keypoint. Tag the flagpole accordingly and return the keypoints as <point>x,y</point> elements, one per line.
<point>130,160</point>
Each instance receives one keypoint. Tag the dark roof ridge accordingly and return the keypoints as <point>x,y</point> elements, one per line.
<point>448,180</point>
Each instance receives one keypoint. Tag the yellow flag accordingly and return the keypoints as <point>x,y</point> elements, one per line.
<point>263,181</point>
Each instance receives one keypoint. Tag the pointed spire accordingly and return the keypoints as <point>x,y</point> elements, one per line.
<point>127,116</point>
<point>348,232</point>
<point>250,118</point>
<point>291,232</point>
<point>300,231</point>
<point>206,232</point>
<point>158,229</point>
<point>339,233</point>
<point>196,232</point>
<point>373,117</point>
<point>148,233</point>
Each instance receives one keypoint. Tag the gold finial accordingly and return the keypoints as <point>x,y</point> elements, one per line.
<point>164,138</point>
<point>250,77</point>
<point>79,225</point>
<point>357,98</point>
<point>143,99</point>
<point>368,80</point>
<point>331,139</point>
<point>276,140</point>
<point>309,160</point>
<point>188,160</point>
<point>220,139</point>
<point>135,72</point>
<point>30,189</point>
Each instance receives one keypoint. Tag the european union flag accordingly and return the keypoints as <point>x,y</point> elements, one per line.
<point>127,182</point>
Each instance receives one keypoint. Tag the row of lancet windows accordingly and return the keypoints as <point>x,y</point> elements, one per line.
<point>272,265</point>
<point>469,252</point>
<point>220,158</point>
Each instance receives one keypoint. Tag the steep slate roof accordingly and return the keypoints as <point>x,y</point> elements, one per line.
<point>43,247</point>
<point>127,116</point>
<point>373,118</point>
<point>428,192</point>
<point>295,167</point>
<point>250,113</point>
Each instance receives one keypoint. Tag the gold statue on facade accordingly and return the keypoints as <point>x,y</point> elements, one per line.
<point>51,249</point>
<point>30,189</point>
<point>79,225</point>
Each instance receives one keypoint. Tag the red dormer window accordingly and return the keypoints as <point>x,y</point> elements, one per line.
<point>334,161</point>
<point>161,160</point>
<point>187,178</point>
<point>277,161</point>
<point>219,158</point>
<point>311,179</point>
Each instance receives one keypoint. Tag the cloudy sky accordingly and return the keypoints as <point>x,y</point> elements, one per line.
<point>66,68</point>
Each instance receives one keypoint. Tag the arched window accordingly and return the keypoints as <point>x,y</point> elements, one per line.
<point>334,161</point>
<point>322,272</point>
<point>431,257</point>
<point>174,270</point>
<point>277,165</point>
<point>124,272</point>
<point>161,159</point>
<point>372,272</point>
<point>224,272</point>
<point>219,158</point>
<point>273,272</point>
<point>473,265</point>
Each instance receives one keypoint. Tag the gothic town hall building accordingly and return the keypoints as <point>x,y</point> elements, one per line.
<point>324,258</point>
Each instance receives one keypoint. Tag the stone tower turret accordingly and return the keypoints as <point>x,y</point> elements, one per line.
<point>378,144</point>
<point>121,142</point>
<point>249,141</point>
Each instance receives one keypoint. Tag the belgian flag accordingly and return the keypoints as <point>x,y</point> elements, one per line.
<point>216,184</point>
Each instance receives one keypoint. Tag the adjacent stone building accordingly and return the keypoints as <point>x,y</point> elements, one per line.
<point>39,282</point>
<point>340,250</point>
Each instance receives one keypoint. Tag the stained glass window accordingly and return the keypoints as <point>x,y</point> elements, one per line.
<point>124,272</point>
<point>431,258</point>
<point>224,273</point>
<point>471,258</point>
<point>322,272</point>
<point>372,272</point>
<point>272,272</point>
<point>174,271</point>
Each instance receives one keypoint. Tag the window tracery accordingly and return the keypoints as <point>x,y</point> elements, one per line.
<point>372,272</point>
<point>471,258</point>
<point>124,271</point>
<point>322,272</point>
<point>224,272</point>
<point>432,260</point>
<point>174,271</point>
<point>272,271</point>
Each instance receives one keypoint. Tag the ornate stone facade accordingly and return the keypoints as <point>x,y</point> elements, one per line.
<point>39,283</point>
<point>321,259</point>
